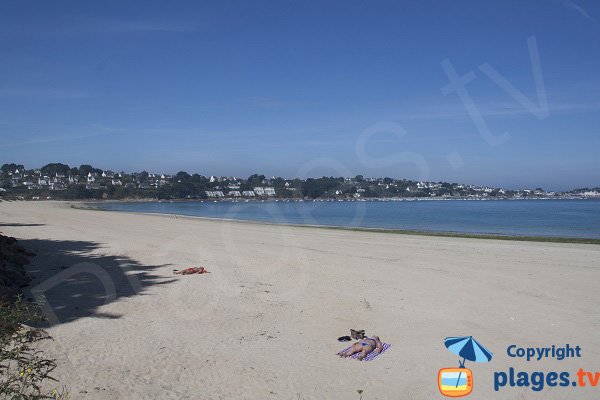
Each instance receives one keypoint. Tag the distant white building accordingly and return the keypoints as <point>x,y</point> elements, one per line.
<point>214,193</point>
<point>235,193</point>
<point>248,193</point>
<point>260,191</point>
<point>269,191</point>
<point>17,175</point>
<point>591,193</point>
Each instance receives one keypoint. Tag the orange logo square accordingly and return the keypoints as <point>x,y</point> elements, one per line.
<point>455,382</point>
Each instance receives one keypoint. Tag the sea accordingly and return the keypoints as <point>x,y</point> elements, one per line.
<point>566,218</point>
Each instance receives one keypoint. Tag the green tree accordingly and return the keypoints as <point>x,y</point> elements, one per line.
<point>85,169</point>
<point>182,176</point>
<point>314,188</point>
<point>53,168</point>
<point>255,180</point>
<point>12,167</point>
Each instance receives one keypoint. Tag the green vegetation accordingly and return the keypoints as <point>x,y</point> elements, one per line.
<point>24,370</point>
<point>321,187</point>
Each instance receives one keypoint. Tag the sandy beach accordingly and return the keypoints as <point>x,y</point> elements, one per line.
<point>264,323</point>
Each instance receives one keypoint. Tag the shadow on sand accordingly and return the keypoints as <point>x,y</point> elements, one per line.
<point>18,224</point>
<point>71,280</point>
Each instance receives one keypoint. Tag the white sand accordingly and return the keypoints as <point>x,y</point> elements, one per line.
<point>264,323</point>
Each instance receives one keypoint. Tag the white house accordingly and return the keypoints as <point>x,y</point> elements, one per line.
<point>214,193</point>
<point>591,193</point>
<point>260,191</point>
<point>269,191</point>
<point>235,193</point>
<point>17,175</point>
<point>248,193</point>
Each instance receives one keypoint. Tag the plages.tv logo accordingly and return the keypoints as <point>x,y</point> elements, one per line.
<point>458,382</point>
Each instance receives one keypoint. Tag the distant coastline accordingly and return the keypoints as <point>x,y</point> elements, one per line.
<point>58,181</point>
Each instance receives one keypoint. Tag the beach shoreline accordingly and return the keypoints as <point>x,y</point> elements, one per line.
<point>493,236</point>
<point>264,322</point>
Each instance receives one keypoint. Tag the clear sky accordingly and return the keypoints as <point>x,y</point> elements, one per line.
<point>307,88</point>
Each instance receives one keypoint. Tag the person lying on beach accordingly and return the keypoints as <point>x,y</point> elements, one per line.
<point>364,347</point>
<point>191,271</point>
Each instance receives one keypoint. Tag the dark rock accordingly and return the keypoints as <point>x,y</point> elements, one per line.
<point>19,259</point>
<point>12,274</point>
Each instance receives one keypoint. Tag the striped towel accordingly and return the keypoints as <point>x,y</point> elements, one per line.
<point>372,355</point>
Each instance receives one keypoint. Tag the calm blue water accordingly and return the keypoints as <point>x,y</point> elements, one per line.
<point>564,218</point>
<point>454,380</point>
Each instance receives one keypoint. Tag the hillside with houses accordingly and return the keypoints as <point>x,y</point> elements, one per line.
<point>60,181</point>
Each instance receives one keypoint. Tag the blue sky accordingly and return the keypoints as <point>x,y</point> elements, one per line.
<point>306,88</point>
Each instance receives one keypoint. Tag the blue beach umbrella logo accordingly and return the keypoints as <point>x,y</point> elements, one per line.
<point>457,382</point>
<point>468,348</point>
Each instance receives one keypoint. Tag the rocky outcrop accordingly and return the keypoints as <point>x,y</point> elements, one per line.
<point>13,258</point>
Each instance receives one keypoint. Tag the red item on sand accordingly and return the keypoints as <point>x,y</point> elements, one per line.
<point>192,270</point>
